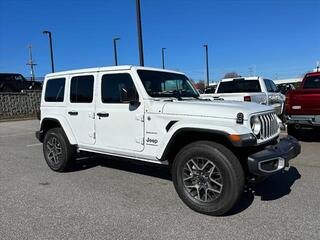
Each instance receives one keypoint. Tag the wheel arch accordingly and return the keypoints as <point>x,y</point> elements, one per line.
<point>184,136</point>
<point>49,123</point>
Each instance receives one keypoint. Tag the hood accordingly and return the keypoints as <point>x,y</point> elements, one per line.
<point>217,109</point>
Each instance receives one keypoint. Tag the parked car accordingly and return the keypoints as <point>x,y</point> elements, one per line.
<point>15,82</point>
<point>156,115</point>
<point>303,104</point>
<point>249,89</point>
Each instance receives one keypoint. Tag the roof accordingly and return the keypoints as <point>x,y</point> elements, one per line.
<point>109,68</point>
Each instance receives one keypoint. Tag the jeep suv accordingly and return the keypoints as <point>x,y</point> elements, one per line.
<point>156,115</point>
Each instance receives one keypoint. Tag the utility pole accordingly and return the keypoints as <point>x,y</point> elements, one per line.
<point>115,50</point>
<point>139,28</point>
<point>162,56</point>
<point>31,63</point>
<point>207,64</point>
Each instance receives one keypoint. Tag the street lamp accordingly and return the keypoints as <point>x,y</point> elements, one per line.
<point>162,56</point>
<point>51,48</point>
<point>138,12</point>
<point>207,64</point>
<point>115,50</point>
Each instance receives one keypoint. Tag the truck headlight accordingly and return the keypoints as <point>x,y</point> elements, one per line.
<point>255,125</point>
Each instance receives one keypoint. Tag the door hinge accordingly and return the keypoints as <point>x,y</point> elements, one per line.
<point>91,115</point>
<point>140,117</point>
<point>140,140</point>
<point>92,135</point>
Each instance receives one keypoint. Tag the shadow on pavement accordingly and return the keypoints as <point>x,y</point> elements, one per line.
<point>274,187</point>
<point>123,164</point>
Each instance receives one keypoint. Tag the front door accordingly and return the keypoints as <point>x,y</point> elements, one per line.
<point>80,110</point>
<point>120,115</point>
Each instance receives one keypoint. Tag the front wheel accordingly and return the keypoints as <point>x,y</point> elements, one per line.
<point>208,177</point>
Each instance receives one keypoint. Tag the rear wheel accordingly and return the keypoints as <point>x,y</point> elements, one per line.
<point>58,152</point>
<point>208,177</point>
<point>293,131</point>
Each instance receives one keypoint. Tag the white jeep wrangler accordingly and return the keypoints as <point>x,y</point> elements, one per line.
<point>156,115</point>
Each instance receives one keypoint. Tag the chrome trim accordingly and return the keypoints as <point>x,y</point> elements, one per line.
<point>281,165</point>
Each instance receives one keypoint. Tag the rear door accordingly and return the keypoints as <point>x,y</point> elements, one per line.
<point>81,107</point>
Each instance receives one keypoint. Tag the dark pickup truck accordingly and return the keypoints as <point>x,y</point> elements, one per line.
<point>303,105</point>
<point>15,82</point>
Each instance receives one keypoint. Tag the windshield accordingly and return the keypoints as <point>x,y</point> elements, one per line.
<point>165,84</point>
<point>239,85</point>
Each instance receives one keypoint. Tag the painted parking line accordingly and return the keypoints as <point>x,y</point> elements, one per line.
<point>34,145</point>
<point>16,135</point>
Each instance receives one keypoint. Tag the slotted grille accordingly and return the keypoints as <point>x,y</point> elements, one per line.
<point>269,126</point>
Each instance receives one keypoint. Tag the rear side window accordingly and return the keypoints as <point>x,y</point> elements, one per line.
<point>114,84</point>
<point>55,90</point>
<point>81,90</point>
<point>312,82</point>
<point>239,85</point>
<point>271,87</point>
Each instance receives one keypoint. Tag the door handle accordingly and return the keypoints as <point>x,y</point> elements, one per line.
<point>73,113</point>
<point>102,114</point>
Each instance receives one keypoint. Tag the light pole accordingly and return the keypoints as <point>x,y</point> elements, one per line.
<point>115,50</point>
<point>162,56</point>
<point>51,48</point>
<point>138,12</point>
<point>207,64</point>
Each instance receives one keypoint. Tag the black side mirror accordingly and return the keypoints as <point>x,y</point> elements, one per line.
<point>130,96</point>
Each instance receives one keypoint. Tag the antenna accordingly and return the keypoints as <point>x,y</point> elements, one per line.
<point>318,66</point>
<point>31,63</point>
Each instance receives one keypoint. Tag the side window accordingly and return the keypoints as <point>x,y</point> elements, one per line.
<point>81,90</point>
<point>118,88</point>
<point>55,90</point>
<point>268,86</point>
<point>273,86</point>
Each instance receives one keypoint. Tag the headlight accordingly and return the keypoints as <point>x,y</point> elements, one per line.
<point>255,125</point>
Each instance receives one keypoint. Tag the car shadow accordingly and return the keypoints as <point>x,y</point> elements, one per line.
<point>122,164</point>
<point>274,187</point>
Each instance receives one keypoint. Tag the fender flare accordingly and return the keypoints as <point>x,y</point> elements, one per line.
<point>61,122</point>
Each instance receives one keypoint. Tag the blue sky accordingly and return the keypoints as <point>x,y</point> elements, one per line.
<point>279,39</point>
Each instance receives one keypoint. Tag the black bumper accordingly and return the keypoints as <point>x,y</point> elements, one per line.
<point>274,158</point>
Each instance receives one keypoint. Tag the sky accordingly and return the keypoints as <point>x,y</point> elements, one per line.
<point>271,38</point>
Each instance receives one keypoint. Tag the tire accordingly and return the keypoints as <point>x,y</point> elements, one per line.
<point>223,167</point>
<point>58,152</point>
<point>293,131</point>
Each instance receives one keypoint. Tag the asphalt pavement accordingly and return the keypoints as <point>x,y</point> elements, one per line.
<point>105,198</point>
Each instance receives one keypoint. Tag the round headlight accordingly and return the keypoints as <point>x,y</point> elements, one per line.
<point>255,125</point>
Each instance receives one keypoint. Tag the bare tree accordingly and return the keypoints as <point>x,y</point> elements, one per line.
<point>231,75</point>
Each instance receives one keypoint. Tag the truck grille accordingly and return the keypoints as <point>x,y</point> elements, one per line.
<point>269,126</point>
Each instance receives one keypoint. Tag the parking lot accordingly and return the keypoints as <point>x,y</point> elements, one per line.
<point>119,199</point>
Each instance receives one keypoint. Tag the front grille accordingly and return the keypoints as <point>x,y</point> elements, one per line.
<point>269,126</point>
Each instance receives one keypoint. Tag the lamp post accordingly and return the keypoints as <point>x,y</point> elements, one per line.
<point>139,28</point>
<point>115,50</point>
<point>51,48</point>
<point>162,56</point>
<point>207,64</point>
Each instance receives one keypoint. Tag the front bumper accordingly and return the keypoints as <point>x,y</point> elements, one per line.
<point>274,158</point>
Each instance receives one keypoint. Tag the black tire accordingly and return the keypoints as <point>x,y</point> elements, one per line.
<point>58,152</point>
<point>231,177</point>
<point>292,131</point>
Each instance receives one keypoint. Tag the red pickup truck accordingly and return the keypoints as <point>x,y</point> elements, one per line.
<point>303,105</point>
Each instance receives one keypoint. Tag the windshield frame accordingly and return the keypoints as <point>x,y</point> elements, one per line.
<point>193,93</point>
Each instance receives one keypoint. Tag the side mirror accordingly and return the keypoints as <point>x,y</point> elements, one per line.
<point>130,96</point>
